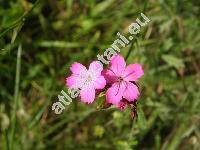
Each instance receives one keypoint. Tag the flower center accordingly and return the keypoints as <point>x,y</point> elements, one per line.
<point>120,79</point>
<point>88,79</point>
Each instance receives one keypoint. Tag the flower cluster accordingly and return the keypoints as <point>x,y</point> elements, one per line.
<point>118,81</point>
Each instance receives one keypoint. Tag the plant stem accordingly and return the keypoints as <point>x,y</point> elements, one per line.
<point>19,20</point>
<point>16,96</point>
<point>130,50</point>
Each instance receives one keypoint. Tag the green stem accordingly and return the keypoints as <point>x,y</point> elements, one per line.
<point>19,20</point>
<point>16,96</point>
<point>130,50</point>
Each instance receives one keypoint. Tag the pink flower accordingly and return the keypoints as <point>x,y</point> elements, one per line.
<point>121,79</point>
<point>86,80</point>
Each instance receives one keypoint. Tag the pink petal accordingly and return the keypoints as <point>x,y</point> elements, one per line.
<point>100,82</point>
<point>131,92</point>
<point>87,94</point>
<point>109,76</point>
<point>117,65</point>
<point>114,93</point>
<point>78,68</point>
<point>72,81</point>
<point>133,72</point>
<point>95,68</point>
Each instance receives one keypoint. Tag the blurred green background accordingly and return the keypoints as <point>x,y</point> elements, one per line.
<point>39,40</point>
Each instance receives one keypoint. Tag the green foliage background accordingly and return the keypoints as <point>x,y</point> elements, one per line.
<point>39,40</point>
